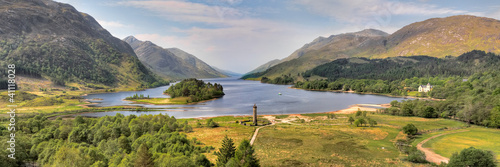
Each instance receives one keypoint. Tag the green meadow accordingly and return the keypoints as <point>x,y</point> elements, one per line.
<point>477,137</point>
<point>320,141</point>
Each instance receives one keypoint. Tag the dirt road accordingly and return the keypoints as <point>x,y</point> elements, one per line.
<point>430,155</point>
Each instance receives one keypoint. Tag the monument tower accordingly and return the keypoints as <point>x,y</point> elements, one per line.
<point>255,114</point>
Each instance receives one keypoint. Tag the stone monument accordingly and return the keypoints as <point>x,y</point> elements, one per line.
<point>254,114</point>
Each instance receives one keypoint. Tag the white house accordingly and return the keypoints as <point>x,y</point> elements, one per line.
<point>425,88</point>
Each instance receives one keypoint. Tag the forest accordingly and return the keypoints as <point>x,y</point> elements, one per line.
<point>475,100</point>
<point>282,80</point>
<point>400,68</point>
<point>145,141</point>
<point>106,141</point>
<point>196,90</point>
<point>470,84</point>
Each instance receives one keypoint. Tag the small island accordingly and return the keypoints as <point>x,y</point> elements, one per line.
<point>188,91</point>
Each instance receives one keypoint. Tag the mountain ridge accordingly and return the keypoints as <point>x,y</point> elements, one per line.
<point>172,63</point>
<point>436,37</point>
<point>55,41</point>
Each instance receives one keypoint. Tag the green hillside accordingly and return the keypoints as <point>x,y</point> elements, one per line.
<point>399,68</point>
<point>51,40</point>
<point>437,37</point>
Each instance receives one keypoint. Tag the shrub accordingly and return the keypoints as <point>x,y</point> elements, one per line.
<point>211,123</point>
<point>472,157</point>
<point>416,156</point>
<point>410,129</point>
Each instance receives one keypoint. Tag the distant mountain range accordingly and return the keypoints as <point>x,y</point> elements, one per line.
<point>266,66</point>
<point>437,37</point>
<point>228,73</point>
<point>53,40</point>
<point>171,63</point>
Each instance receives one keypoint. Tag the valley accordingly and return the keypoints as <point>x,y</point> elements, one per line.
<point>138,86</point>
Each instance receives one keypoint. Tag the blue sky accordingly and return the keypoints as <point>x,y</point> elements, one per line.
<point>239,35</point>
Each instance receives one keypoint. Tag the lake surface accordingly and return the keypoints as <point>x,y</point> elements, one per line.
<point>240,96</point>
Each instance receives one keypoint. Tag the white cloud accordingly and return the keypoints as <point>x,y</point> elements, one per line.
<point>495,15</point>
<point>237,48</point>
<point>111,24</point>
<point>366,10</point>
<point>183,11</point>
<point>234,36</point>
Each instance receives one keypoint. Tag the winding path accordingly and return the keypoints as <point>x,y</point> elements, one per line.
<point>430,155</point>
<point>255,135</point>
<point>257,132</point>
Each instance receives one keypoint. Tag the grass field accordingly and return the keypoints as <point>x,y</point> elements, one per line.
<point>477,137</point>
<point>413,93</point>
<point>213,136</point>
<point>424,124</point>
<point>317,141</point>
<point>329,142</point>
<point>43,101</point>
<point>320,141</point>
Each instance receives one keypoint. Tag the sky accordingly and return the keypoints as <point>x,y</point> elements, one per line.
<point>240,35</point>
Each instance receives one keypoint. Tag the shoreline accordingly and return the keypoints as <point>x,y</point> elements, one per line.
<point>191,103</point>
<point>370,93</point>
<point>349,110</point>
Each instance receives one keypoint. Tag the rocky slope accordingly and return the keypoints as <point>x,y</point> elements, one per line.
<point>171,63</point>
<point>55,41</point>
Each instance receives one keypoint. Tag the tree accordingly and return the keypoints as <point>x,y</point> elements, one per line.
<point>143,157</point>
<point>226,152</point>
<point>211,123</point>
<point>357,123</point>
<point>472,157</point>
<point>66,156</point>
<point>351,120</point>
<point>245,156</point>
<point>394,103</point>
<point>124,144</point>
<point>362,121</point>
<point>364,113</point>
<point>429,112</point>
<point>372,122</point>
<point>201,160</point>
<point>358,113</point>
<point>410,129</point>
<point>79,120</point>
<point>495,117</point>
<point>171,161</point>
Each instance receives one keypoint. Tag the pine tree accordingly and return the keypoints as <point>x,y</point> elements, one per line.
<point>143,157</point>
<point>351,120</point>
<point>245,155</point>
<point>226,152</point>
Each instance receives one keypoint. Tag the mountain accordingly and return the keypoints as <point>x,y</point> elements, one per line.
<point>440,37</point>
<point>204,69</point>
<point>171,63</point>
<point>266,66</point>
<point>53,40</point>
<point>321,42</point>
<point>227,72</point>
<point>436,37</point>
<point>323,50</point>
